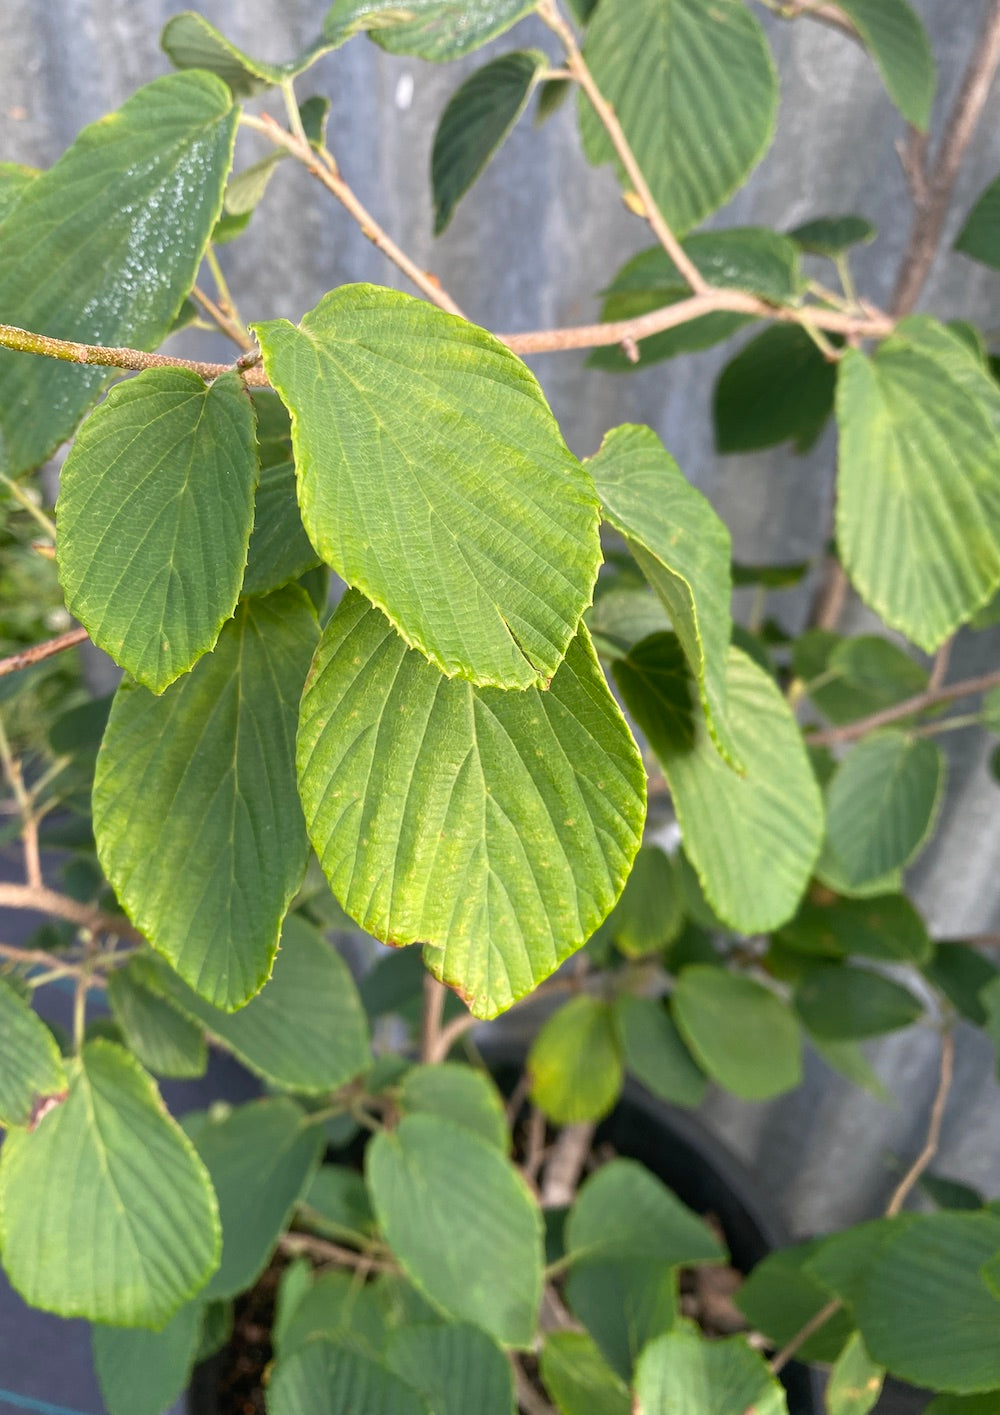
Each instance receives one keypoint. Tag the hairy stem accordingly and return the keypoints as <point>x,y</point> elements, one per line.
<point>47,901</point>
<point>25,341</point>
<point>24,658</point>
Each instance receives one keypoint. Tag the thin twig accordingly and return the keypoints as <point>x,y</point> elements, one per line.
<point>60,906</point>
<point>820,1319</point>
<point>26,809</point>
<point>324,1251</point>
<point>902,1190</point>
<point>850,731</point>
<point>24,500</point>
<point>529,1402</point>
<point>430,1018</point>
<point>567,1158</point>
<point>26,657</point>
<point>450,1034</point>
<point>939,669</point>
<point>534,1144</point>
<point>230,327</point>
<point>25,341</point>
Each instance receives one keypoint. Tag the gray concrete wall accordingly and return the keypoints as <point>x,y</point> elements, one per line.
<point>531,245</point>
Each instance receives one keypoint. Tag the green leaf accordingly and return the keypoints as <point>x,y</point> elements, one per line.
<point>837,1003</point>
<point>833,235</point>
<point>142,1372</point>
<point>650,912</point>
<point>749,258</point>
<point>849,1060</point>
<point>655,1053</point>
<point>886,927</point>
<point>894,36</point>
<point>753,839</point>
<point>336,1306</point>
<point>190,42</point>
<point>882,802</point>
<point>926,1313</point>
<point>624,1212</point>
<point>771,577</point>
<point>476,122</point>
<point>682,548</point>
<point>306,1029</point>
<point>575,1062</point>
<point>986,1404</point>
<point>980,236</point>
<point>31,1069</point>
<point>989,1001</point>
<point>756,1060</point>
<point>624,1305</point>
<point>336,1202</point>
<point>326,1378</point>
<point>115,268</point>
<point>160,1036</point>
<point>918,499</point>
<point>963,974</point>
<point>440,30</point>
<point>456,1368</point>
<point>852,678</point>
<point>498,827</point>
<point>460,1094</point>
<point>578,1379</point>
<point>196,816</point>
<point>949,1193</point>
<point>781,1295</point>
<point>840,1263</point>
<point>106,1212</point>
<point>778,388</point>
<point>622,616</point>
<point>280,551</point>
<point>260,1157</point>
<point>435,1186</point>
<point>443,438</point>
<point>14,182</point>
<point>684,1374</point>
<point>155,511</point>
<point>678,73</point>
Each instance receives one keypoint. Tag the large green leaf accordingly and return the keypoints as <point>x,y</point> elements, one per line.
<point>855,1382</point>
<point>14,181</point>
<point>142,1372</point>
<point>460,1094</point>
<point>112,268</point>
<point>335,1305</point>
<point>478,118</point>
<point>443,488</point>
<point>881,803</point>
<point>190,42</point>
<point>655,1053</point>
<point>306,1029</point>
<point>684,1374</point>
<point>778,388</point>
<point>838,1003</point>
<point>918,492</point>
<point>164,1040</point>
<point>196,816</point>
<point>259,1157</point>
<point>758,1058</point>
<point>462,1222</point>
<point>455,1367</point>
<point>623,1212</point>
<point>31,1069</point>
<point>683,549</point>
<point>781,1295</point>
<point>753,838</point>
<point>749,258</point>
<point>650,913</point>
<point>926,1313</point>
<point>693,85</point>
<point>575,1062</point>
<point>893,34</point>
<point>440,30</point>
<point>325,1378</point>
<point>106,1212</point>
<point>154,513</point>
<point>886,927</point>
<point>980,236</point>
<point>578,1379</point>
<point>279,549</point>
<point>624,1305</point>
<point>498,827</point>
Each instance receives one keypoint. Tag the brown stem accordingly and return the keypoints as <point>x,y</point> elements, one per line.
<point>430,1020</point>
<point>939,669</point>
<point>820,1319</point>
<point>26,657</point>
<point>229,326</point>
<point>902,1190</point>
<point>60,906</point>
<point>826,14</point>
<point>326,1252</point>
<point>136,360</point>
<point>850,731</point>
<point>320,164</point>
<point>450,1034</point>
<point>529,1402</point>
<point>565,1164</point>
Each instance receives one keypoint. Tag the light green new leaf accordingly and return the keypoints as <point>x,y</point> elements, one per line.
<point>462,1222</point>
<point>196,815</point>
<point>623,1212</point>
<point>455,1367</point>
<point>306,1029</point>
<point>14,181</point>
<point>679,73</point>
<point>160,1036</point>
<point>260,1157</point>
<point>918,491</point>
<point>752,838</point>
<point>759,1058</point>
<point>881,803</point>
<point>477,120</point>
<point>143,1372</point>
<point>831,236</point>
<point>106,1211</point>
<point>578,1378</point>
<point>683,549</point>
<point>855,1382</point>
<point>655,1053</point>
<point>31,1069</point>
<point>440,30</point>
<point>324,1377</point>
<point>778,388</point>
<point>460,1094</point>
<point>498,827</point>
<point>925,1312</point>
<point>442,489</point>
<point>894,36</point>
<point>684,1374</point>
<point>154,513</point>
<point>980,236</point>
<point>190,42</point>
<point>839,1003</point>
<point>112,269</point>
<point>575,1062</point>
